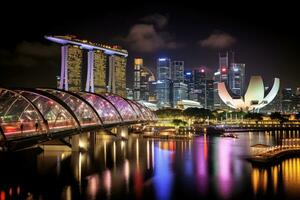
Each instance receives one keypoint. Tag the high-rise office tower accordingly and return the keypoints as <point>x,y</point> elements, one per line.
<point>163,68</point>
<point>179,88</point>
<point>143,77</point>
<point>199,84</point>
<point>152,92</point>
<point>273,106</point>
<point>217,99</point>
<point>204,88</point>
<point>209,92</point>
<point>288,100</point>
<point>117,75</point>
<point>189,80</point>
<point>96,72</point>
<point>163,83</point>
<point>147,78</point>
<point>236,79</point>
<point>178,71</point>
<point>71,68</point>
<point>222,75</point>
<point>138,64</point>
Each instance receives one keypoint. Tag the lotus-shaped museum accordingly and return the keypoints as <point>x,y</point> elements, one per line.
<point>254,98</point>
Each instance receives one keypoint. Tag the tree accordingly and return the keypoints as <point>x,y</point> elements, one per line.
<point>197,113</point>
<point>277,116</point>
<point>256,116</point>
<point>179,122</point>
<point>168,113</point>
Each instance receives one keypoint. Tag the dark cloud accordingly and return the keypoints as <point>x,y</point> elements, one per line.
<point>218,40</point>
<point>29,55</point>
<point>37,49</point>
<point>144,38</point>
<point>148,38</point>
<point>160,21</point>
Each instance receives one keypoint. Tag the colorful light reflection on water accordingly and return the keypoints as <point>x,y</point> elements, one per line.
<point>206,167</point>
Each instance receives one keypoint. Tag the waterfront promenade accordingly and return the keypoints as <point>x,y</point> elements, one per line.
<point>264,154</point>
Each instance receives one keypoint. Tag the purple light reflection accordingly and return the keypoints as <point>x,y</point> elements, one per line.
<point>163,178</point>
<point>202,169</point>
<point>224,165</point>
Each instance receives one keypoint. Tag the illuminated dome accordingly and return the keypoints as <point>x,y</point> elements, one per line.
<point>254,98</point>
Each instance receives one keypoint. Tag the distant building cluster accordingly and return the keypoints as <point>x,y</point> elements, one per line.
<point>101,68</point>
<point>175,87</point>
<point>179,88</point>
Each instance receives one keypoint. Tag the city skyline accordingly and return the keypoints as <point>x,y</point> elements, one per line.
<point>149,100</point>
<point>162,31</point>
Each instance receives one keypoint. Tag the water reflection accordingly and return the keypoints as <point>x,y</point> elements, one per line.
<point>272,180</point>
<point>206,167</point>
<point>202,164</point>
<point>107,182</point>
<point>92,186</point>
<point>224,167</point>
<point>163,173</point>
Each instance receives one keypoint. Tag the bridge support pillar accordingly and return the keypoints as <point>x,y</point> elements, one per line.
<point>75,142</point>
<point>92,140</point>
<point>122,131</point>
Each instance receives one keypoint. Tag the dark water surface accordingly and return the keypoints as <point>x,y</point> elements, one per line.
<point>206,167</point>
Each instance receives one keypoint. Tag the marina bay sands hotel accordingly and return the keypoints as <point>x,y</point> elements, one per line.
<point>75,53</point>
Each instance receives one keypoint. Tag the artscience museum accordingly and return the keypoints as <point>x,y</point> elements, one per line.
<point>255,97</point>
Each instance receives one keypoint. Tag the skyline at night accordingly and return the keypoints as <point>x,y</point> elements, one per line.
<point>149,100</point>
<point>265,42</point>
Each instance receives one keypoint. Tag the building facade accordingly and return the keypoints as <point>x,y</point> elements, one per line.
<point>178,71</point>
<point>138,64</point>
<point>71,68</point>
<point>117,75</point>
<point>96,72</point>
<point>179,89</point>
<point>222,75</point>
<point>189,81</point>
<point>289,101</point>
<point>164,82</point>
<point>236,79</point>
<point>72,75</point>
<point>143,78</point>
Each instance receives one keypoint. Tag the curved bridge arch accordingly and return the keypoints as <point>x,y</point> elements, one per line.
<point>52,111</point>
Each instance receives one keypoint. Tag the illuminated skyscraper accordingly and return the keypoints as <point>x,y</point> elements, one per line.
<point>178,71</point>
<point>287,100</point>
<point>163,84</point>
<point>189,80</point>
<point>96,72</point>
<point>209,92</point>
<point>117,75</point>
<point>203,88</point>
<point>72,60</point>
<point>179,89</point>
<point>221,75</point>
<point>147,78</point>
<point>236,79</point>
<point>138,64</point>
<point>71,68</point>
<point>143,78</point>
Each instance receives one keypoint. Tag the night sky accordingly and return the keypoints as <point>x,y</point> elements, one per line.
<point>264,36</point>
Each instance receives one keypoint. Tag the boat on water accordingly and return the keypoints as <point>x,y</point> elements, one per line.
<point>229,135</point>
